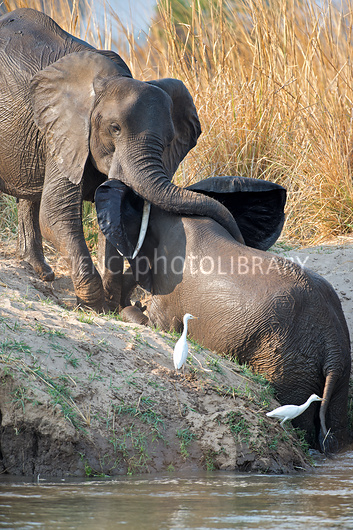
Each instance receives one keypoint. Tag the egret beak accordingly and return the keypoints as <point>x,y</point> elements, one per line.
<point>143,229</point>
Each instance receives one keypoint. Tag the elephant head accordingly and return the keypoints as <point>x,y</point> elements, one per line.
<point>91,110</point>
<point>256,205</point>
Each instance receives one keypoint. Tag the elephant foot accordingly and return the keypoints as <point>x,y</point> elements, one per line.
<point>98,306</point>
<point>112,295</point>
<point>90,294</point>
<point>41,268</point>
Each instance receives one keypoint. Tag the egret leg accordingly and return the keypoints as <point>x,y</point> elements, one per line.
<point>282,424</point>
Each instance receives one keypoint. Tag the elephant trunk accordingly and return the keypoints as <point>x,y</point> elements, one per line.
<point>144,173</point>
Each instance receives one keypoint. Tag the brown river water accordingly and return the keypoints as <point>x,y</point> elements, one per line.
<point>319,499</point>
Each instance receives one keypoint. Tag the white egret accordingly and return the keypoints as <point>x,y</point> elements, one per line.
<point>181,349</point>
<point>288,412</point>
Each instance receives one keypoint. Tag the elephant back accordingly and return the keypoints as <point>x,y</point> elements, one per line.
<point>31,40</point>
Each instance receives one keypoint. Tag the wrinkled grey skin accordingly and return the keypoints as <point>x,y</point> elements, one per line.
<point>284,321</point>
<point>70,117</point>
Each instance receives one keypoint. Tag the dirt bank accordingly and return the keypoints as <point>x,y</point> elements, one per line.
<point>333,261</point>
<point>83,394</point>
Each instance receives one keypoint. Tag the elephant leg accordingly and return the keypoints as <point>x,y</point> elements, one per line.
<point>29,239</point>
<point>129,284</point>
<point>110,266</point>
<point>61,223</point>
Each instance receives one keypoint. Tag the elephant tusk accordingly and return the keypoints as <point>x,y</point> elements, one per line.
<point>143,229</point>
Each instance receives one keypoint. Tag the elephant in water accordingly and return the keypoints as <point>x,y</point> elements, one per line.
<point>283,320</point>
<point>72,116</point>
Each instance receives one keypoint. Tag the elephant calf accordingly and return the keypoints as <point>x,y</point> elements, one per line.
<point>283,320</point>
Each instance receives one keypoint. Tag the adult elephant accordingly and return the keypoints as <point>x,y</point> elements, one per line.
<point>70,117</point>
<point>283,320</point>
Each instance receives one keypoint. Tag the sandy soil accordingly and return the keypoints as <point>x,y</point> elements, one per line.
<point>85,394</point>
<point>333,261</point>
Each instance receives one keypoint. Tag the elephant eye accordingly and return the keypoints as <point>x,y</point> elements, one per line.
<point>115,127</point>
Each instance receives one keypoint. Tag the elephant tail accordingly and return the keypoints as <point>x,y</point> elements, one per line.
<point>327,440</point>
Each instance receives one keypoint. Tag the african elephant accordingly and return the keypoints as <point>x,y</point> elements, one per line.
<point>283,320</point>
<point>72,116</point>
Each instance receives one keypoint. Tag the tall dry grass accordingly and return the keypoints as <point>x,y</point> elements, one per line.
<point>273,87</point>
<point>272,81</point>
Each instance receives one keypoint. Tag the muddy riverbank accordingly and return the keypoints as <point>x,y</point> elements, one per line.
<point>85,394</point>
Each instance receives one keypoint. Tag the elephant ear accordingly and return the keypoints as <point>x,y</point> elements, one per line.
<point>63,95</point>
<point>186,123</point>
<point>256,205</point>
<point>119,214</point>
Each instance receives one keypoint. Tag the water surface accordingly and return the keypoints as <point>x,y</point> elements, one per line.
<point>220,500</point>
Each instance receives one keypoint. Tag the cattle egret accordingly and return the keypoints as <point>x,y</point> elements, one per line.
<point>181,349</point>
<point>288,412</point>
